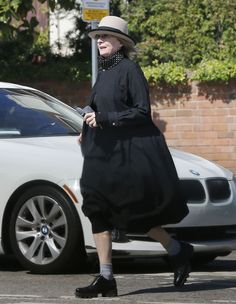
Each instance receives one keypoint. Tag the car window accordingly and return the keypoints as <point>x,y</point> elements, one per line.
<point>30,113</point>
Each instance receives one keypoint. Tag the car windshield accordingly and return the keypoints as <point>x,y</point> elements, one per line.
<point>31,113</point>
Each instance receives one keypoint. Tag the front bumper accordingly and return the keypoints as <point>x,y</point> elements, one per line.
<point>205,240</point>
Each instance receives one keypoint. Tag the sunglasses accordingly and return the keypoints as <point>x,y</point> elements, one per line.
<point>102,36</point>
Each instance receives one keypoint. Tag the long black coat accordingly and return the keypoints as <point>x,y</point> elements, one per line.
<point>128,177</point>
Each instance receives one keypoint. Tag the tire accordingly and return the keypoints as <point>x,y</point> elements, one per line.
<point>45,231</point>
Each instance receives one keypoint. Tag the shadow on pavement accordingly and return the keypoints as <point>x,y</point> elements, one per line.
<point>161,266</point>
<point>190,287</point>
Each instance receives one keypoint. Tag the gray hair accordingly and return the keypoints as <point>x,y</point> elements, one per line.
<point>127,49</point>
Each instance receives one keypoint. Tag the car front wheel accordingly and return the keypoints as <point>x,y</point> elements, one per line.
<point>45,231</point>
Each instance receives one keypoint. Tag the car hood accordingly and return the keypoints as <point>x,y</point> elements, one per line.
<point>192,166</point>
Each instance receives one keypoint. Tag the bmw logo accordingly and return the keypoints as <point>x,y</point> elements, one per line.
<point>194,172</point>
<point>44,230</point>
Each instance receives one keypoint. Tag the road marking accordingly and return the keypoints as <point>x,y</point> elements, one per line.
<point>19,296</point>
<point>67,297</point>
<point>224,301</point>
<point>144,302</point>
<point>71,299</point>
<point>34,299</point>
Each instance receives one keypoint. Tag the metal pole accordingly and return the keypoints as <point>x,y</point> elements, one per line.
<point>94,55</point>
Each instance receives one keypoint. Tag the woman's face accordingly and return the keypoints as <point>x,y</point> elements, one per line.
<point>107,45</point>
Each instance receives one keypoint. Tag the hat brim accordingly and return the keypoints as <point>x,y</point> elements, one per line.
<point>111,31</point>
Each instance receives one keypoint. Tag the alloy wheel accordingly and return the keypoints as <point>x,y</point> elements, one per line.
<point>41,229</point>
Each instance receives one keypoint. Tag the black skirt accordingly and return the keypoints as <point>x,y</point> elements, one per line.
<point>129,180</point>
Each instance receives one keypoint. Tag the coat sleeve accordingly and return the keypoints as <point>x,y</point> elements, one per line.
<point>138,112</point>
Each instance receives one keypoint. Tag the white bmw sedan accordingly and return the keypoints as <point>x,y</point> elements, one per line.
<point>41,221</point>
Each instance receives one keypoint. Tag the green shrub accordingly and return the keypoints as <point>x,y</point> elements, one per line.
<point>206,71</point>
<point>170,73</point>
<point>214,70</point>
<point>182,31</point>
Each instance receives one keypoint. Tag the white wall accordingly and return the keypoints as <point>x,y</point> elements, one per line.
<point>60,23</point>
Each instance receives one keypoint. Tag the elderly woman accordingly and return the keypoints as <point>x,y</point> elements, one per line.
<point>129,181</point>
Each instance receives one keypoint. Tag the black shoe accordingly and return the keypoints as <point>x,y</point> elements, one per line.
<point>119,236</point>
<point>181,264</point>
<point>100,285</point>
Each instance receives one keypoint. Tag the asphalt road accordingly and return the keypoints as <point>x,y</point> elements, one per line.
<point>144,282</point>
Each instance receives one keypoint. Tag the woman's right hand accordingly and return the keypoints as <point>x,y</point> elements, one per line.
<point>90,119</point>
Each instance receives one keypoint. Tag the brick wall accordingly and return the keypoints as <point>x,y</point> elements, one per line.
<point>200,119</point>
<point>195,118</point>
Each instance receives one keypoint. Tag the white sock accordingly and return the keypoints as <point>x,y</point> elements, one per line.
<point>106,271</point>
<point>173,247</point>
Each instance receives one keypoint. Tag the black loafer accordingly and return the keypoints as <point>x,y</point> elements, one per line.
<point>119,236</point>
<point>100,285</point>
<point>181,264</point>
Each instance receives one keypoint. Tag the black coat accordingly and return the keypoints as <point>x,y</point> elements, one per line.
<point>128,176</point>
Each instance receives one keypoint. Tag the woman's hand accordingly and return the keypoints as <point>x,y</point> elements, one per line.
<point>90,119</point>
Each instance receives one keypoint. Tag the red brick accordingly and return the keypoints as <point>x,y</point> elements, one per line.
<point>184,127</point>
<point>226,134</point>
<point>219,127</point>
<point>184,113</point>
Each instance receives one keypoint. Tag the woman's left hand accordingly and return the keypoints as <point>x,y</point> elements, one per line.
<point>90,119</point>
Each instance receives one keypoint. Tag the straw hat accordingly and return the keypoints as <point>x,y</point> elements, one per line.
<point>115,26</point>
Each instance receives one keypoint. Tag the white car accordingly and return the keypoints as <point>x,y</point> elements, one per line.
<point>41,221</point>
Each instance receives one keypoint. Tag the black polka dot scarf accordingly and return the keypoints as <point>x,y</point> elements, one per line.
<point>110,62</point>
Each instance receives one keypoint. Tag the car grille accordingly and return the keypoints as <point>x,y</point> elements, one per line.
<point>193,191</point>
<point>218,190</point>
